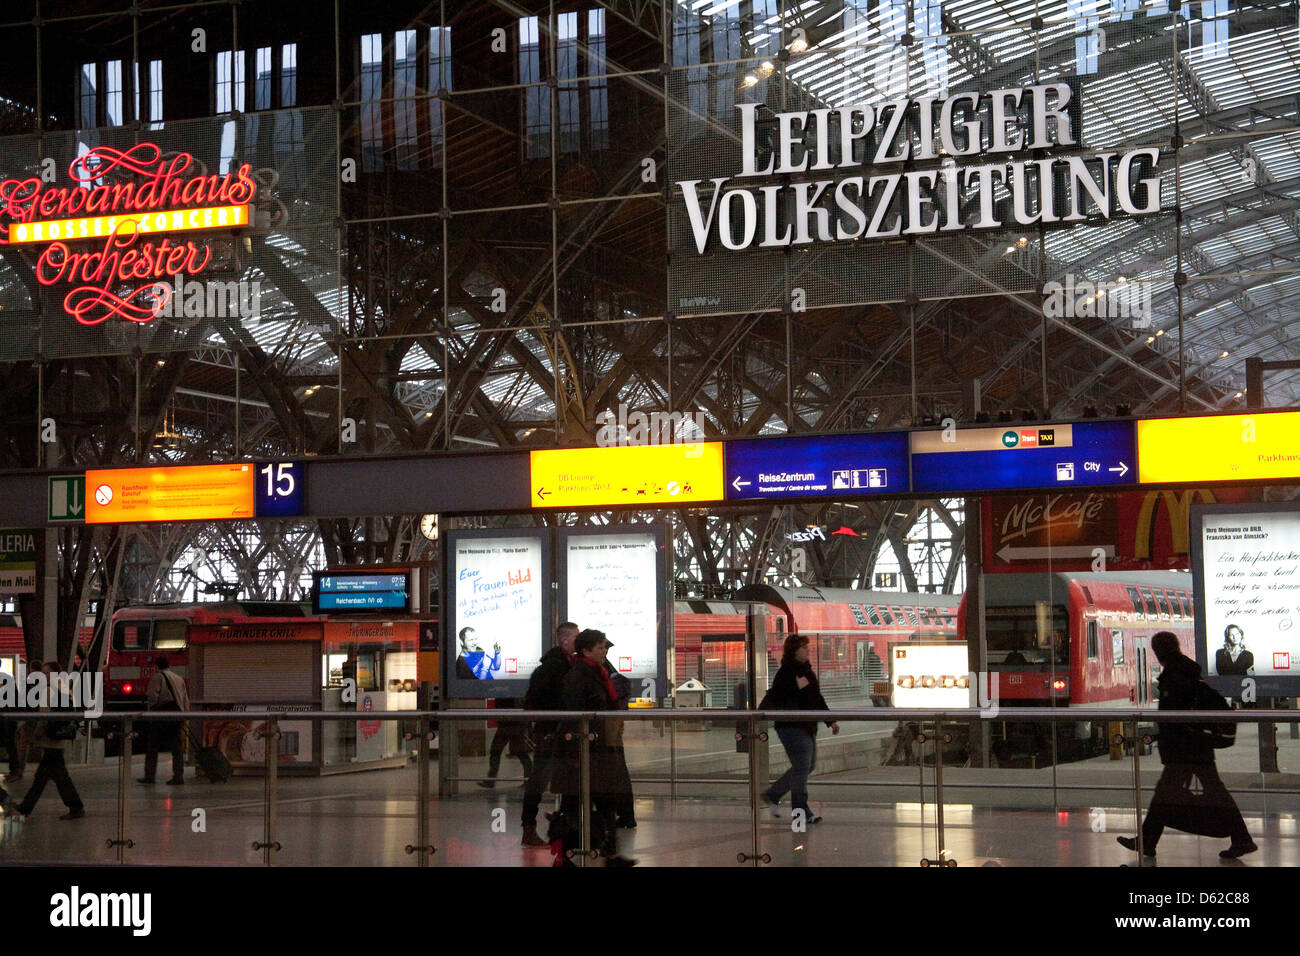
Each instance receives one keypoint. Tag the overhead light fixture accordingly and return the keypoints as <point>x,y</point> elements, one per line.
<point>1159,332</point>
<point>1223,354</point>
<point>751,79</point>
<point>1150,339</point>
<point>1022,242</point>
<point>1238,395</point>
<point>798,45</point>
<point>766,68</point>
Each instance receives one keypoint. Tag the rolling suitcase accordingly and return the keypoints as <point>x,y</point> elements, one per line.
<point>212,763</point>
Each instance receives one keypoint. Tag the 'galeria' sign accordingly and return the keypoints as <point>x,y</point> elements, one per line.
<point>113,242</point>
<point>850,143</point>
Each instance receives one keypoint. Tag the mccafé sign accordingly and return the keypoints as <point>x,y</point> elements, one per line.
<point>865,193</point>
<point>113,244</point>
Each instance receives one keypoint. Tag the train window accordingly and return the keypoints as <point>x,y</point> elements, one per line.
<point>1093,650</point>
<point>1117,646</point>
<point>1183,604</point>
<point>1139,610</point>
<point>1152,613</point>
<point>885,616</point>
<point>1162,603</point>
<point>899,618</point>
<point>911,616</point>
<point>1014,631</point>
<point>132,635</point>
<point>872,616</point>
<point>924,614</point>
<point>169,635</point>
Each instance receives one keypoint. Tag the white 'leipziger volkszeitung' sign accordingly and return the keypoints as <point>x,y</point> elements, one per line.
<point>860,198</point>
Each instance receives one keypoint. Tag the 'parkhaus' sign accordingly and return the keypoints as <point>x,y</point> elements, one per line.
<point>853,202</point>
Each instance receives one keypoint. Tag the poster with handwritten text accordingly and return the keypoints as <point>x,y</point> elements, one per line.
<point>499,611</point>
<point>612,587</point>
<point>1251,565</point>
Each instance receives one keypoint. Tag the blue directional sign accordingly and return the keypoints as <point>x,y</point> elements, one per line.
<point>1078,455</point>
<point>817,466</point>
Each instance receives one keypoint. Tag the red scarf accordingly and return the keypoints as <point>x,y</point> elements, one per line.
<point>604,677</point>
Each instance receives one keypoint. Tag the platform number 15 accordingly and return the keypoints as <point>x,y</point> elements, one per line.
<point>279,479</point>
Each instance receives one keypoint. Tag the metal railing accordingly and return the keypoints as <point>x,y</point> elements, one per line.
<point>576,730</point>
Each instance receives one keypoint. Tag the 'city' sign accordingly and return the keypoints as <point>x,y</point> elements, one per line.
<point>915,201</point>
<point>128,273</point>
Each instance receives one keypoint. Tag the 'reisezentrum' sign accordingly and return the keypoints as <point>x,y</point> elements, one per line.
<point>872,188</point>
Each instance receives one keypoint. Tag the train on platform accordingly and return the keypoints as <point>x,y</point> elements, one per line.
<point>1077,639</point>
<point>141,633</point>
<point>850,632</point>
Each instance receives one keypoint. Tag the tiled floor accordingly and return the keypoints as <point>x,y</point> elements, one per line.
<point>873,816</point>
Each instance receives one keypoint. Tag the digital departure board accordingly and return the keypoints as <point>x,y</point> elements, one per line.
<point>353,592</point>
<point>814,466</point>
<point>1081,454</point>
<point>194,492</point>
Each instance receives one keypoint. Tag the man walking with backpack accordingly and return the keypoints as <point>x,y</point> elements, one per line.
<point>1187,752</point>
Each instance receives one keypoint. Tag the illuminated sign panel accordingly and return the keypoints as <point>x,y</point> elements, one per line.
<point>1082,454</point>
<point>872,464</point>
<point>357,591</point>
<point>649,475</point>
<point>1246,567</point>
<point>1264,446</point>
<point>929,675</point>
<point>94,227</point>
<point>176,493</point>
<point>109,228</point>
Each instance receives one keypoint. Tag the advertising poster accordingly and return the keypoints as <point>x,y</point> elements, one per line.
<point>243,744</point>
<point>17,561</point>
<point>1071,531</point>
<point>612,584</point>
<point>931,676</point>
<point>496,631</point>
<point>1248,593</point>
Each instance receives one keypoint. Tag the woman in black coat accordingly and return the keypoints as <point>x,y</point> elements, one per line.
<point>588,687</point>
<point>795,687</point>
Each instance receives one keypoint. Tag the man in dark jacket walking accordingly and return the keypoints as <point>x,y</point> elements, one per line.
<point>1186,752</point>
<point>545,693</point>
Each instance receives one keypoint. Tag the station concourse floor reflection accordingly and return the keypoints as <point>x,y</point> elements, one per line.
<point>873,816</point>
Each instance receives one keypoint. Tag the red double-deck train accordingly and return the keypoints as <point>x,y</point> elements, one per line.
<point>1068,639</point>
<point>850,634</point>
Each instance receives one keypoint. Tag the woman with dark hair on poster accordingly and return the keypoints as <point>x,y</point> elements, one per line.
<point>795,687</point>
<point>1232,657</point>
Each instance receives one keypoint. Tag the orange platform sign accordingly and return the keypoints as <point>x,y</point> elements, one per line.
<point>177,493</point>
<point>649,475</point>
<point>1260,446</point>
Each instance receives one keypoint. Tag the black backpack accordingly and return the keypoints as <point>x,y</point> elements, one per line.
<point>1219,734</point>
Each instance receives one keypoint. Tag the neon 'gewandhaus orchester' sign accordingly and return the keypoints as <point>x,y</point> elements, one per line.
<point>112,243</point>
<point>850,143</point>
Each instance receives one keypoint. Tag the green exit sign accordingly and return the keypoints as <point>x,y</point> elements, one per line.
<point>67,499</point>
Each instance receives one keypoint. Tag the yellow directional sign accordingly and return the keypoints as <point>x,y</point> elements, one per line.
<point>1252,447</point>
<point>649,475</point>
